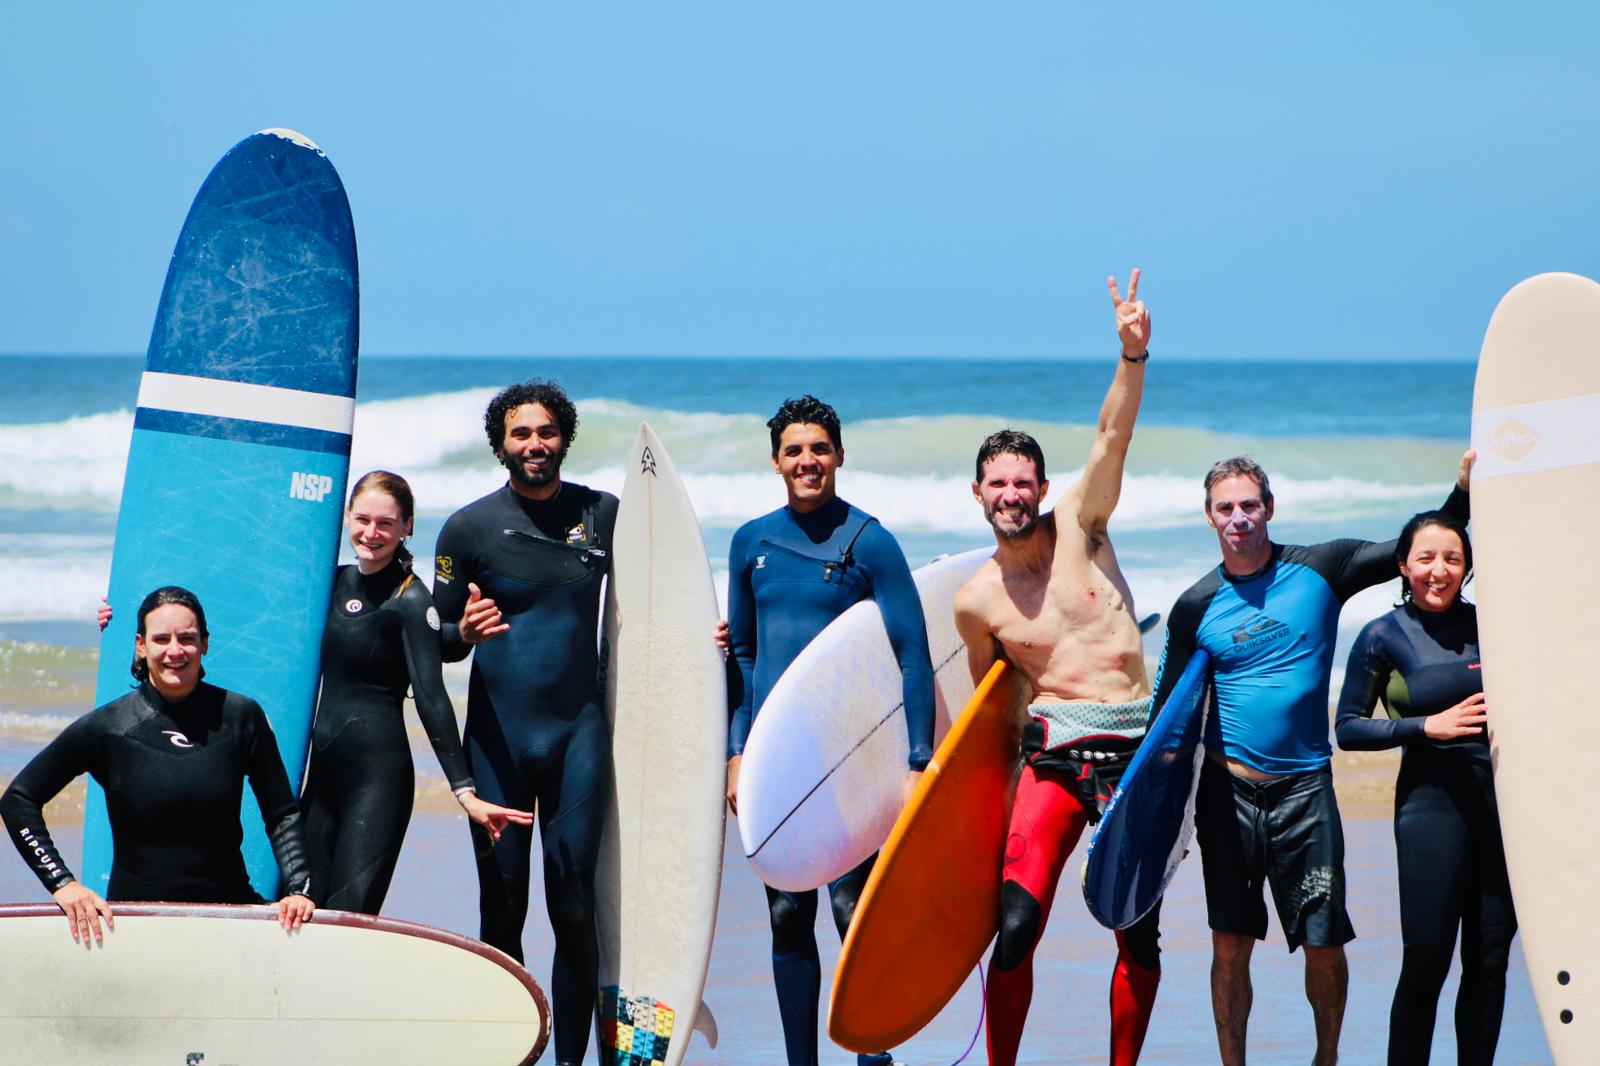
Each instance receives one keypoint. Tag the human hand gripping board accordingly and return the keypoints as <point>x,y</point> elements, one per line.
<point>178,983</point>
<point>940,869</point>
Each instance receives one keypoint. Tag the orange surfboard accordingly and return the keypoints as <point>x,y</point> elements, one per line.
<point>930,908</point>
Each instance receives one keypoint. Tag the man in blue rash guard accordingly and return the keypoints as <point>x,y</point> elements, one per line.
<point>1265,812</point>
<point>790,573</point>
<point>528,561</point>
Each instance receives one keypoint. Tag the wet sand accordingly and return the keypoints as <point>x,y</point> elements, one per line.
<point>1069,1022</point>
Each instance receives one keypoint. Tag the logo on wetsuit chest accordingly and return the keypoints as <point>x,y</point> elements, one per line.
<point>353,606</point>
<point>444,568</point>
<point>177,738</point>
<point>1259,630</point>
<point>576,535</point>
<point>761,562</point>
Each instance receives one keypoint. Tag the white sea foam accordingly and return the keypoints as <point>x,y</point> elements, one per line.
<point>914,473</point>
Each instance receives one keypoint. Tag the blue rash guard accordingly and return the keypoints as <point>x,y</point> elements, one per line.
<point>1270,636</point>
<point>790,574</point>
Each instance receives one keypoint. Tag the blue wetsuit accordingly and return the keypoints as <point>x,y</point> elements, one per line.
<point>1448,847</point>
<point>789,575</point>
<point>536,735</point>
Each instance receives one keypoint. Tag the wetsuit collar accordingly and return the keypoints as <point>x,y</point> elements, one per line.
<point>1240,579</point>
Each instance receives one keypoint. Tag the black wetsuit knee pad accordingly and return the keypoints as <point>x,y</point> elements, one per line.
<point>792,922</point>
<point>1020,920</point>
<point>1141,940</point>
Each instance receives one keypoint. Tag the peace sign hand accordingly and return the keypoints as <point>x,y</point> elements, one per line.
<point>1133,321</point>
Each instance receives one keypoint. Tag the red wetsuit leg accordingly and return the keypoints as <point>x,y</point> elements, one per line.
<point>1133,997</point>
<point>1046,820</point>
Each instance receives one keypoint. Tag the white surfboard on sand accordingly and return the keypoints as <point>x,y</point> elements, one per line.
<point>1535,525</point>
<point>179,984</point>
<point>661,856</point>
<point>824,767</point>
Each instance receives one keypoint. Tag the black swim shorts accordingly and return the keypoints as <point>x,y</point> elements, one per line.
<point>1285,832</point>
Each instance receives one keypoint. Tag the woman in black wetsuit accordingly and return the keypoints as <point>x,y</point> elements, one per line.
<point>172,756</point>
<point>1421,660</point>
<point>382,636</point>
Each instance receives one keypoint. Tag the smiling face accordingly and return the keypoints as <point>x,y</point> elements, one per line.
<point>1240,516</point>
<point>532,450</point>
<point>1010,492</point>
<point>171,646</point>
<point>1435,567</point>
<point>808,463</point>
<point>376,522</point>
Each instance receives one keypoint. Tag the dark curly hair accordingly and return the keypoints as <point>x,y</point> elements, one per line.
<point>160,598</point>
<point>1011,442</point>
<point>548,394</point>
<point>806,411</point>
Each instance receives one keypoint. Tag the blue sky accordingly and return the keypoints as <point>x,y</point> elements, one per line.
<point>1360,180</point>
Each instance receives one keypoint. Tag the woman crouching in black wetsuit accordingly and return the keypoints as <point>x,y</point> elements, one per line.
<point>172,756</point>
<point>382,636</point>
<point>1421,660</point>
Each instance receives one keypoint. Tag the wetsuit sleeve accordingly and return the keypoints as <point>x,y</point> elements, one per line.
<point>742,644</point>
<point>901,607</point>
<point>453,568</point>
<point>1353,565</point>
<point>1183,638</point>
<point>421,636</point>
<point>270,783</point>
<point>1366,676</point>
<point>47,773</point>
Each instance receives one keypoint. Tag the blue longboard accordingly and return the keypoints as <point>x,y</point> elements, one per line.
<point>241,448</point>
<point>1141,837</point>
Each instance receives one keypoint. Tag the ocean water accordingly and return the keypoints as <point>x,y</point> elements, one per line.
<point>1352,449</point>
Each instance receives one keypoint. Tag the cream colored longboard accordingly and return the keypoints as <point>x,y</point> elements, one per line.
<point>661,855</point>
<point>1535,520</point>
<point>217,985</point>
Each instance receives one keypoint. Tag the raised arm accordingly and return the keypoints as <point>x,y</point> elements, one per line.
<point>1096,495</point>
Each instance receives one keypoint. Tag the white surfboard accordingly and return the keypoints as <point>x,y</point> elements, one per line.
<point>214,985</point>
<point>1535,520</point>
<point>661,856</point>
<point>821,781</point>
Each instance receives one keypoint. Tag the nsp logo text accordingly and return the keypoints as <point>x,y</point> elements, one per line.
<point>309,486</point>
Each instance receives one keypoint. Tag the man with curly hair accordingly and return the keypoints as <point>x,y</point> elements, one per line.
<point>528,561</point>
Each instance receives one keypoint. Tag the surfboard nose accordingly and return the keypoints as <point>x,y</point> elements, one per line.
<point>292,135</point>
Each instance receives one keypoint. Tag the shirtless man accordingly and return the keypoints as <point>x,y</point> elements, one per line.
<point>1054,604</point>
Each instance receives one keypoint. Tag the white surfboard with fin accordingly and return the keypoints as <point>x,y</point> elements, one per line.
<point>1535,523</point>
<point>661,855</point>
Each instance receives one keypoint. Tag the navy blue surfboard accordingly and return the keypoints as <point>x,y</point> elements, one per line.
<point>1142,836</point>
<point>241,448</point>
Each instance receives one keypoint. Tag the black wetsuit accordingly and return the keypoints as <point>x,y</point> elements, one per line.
<point>536,735</point>
<point>173,774</point>
<point>1448,847</point>
<point>361,781</point>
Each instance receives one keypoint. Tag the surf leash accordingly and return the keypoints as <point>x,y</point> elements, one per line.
<point>983,1003</point>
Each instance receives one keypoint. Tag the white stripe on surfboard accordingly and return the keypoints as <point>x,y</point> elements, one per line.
<point>254,403</point>
<point>1522,438</point>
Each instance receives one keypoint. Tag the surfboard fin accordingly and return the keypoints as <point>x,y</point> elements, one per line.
<point>705,1023</point>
